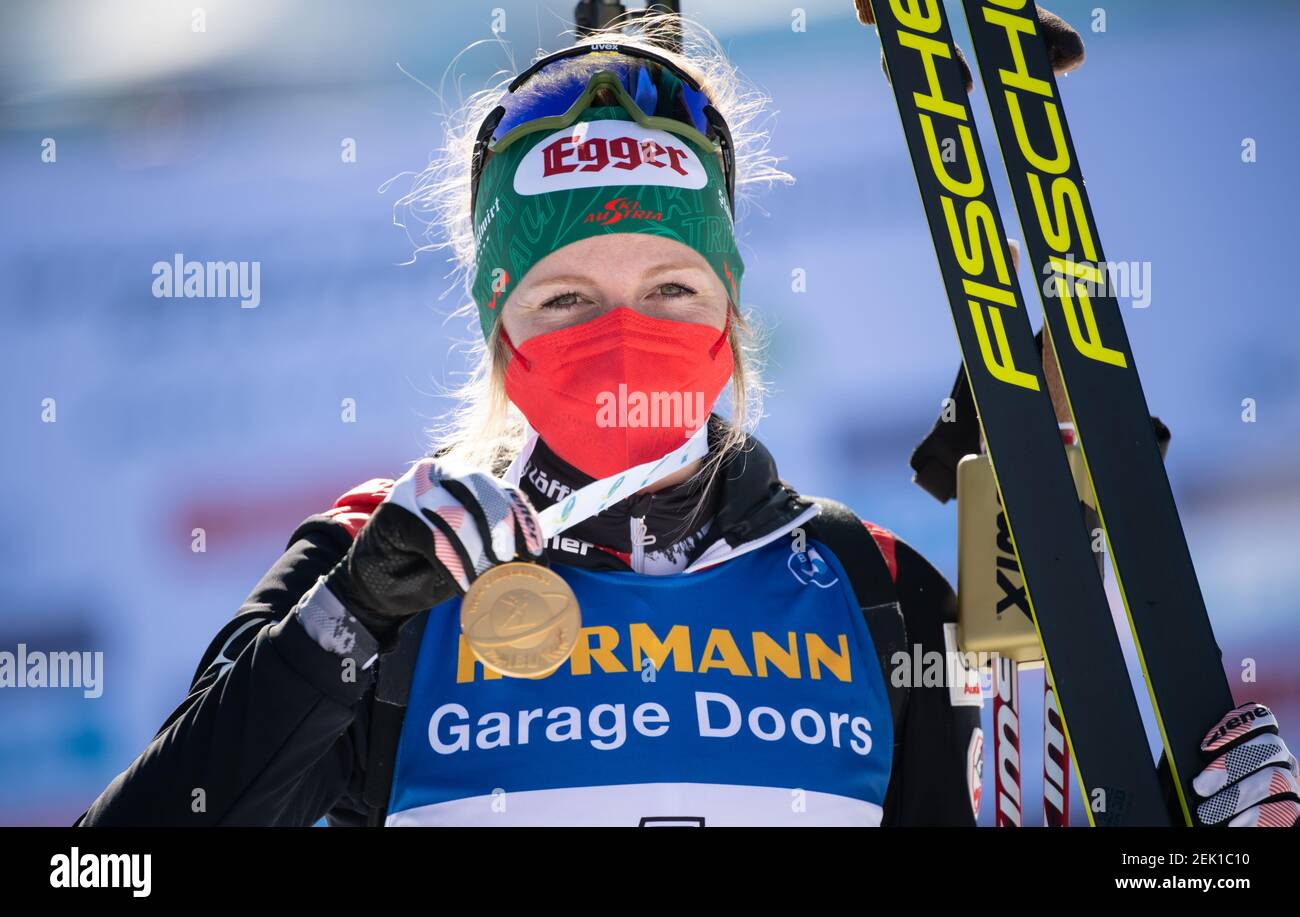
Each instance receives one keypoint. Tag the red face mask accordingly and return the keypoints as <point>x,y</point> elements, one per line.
<point>618,390</point>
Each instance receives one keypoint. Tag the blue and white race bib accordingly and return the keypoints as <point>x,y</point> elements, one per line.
<point>747,693</point>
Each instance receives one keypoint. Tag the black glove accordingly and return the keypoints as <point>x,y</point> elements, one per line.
<point>430,538</point>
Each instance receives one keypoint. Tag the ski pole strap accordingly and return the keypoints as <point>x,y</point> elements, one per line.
<point>841,530</point>
<point>387,712</point>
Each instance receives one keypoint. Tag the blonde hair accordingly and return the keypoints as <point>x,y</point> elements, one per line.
<point>484,430</point>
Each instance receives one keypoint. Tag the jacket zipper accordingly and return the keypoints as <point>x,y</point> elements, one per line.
<point>640,540</point>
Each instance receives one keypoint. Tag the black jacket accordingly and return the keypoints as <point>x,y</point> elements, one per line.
<point>270,735</point>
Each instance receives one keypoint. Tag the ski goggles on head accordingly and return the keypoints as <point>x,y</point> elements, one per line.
<point>654,91</point>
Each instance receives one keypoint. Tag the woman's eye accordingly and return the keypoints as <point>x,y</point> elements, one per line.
<point>673,290</point>
<point>563,301</point>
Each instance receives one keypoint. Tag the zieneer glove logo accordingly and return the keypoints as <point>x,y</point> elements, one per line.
<point>594,154</point>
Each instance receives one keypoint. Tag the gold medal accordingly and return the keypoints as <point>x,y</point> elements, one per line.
<point>520,619</point>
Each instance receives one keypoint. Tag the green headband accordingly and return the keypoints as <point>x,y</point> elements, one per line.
<point>603,174</point>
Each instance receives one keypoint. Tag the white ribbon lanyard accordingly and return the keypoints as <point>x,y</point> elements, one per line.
<point>593,498</point>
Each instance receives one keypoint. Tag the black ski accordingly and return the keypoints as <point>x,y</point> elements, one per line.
<point>1080,643</point>
<point>1153,566</point>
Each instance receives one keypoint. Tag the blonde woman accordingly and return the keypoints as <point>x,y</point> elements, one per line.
<point>733,664</point>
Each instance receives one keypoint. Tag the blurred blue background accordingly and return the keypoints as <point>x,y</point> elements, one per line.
<point>225,144</point>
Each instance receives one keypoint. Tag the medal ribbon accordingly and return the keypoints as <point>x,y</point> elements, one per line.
<point>593,498</point>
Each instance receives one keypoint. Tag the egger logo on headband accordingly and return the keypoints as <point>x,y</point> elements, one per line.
<point>592,154</point>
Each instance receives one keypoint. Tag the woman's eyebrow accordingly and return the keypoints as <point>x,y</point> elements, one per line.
<point>662,267</point>
<point>666,266</point>
<point>567,280</point>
